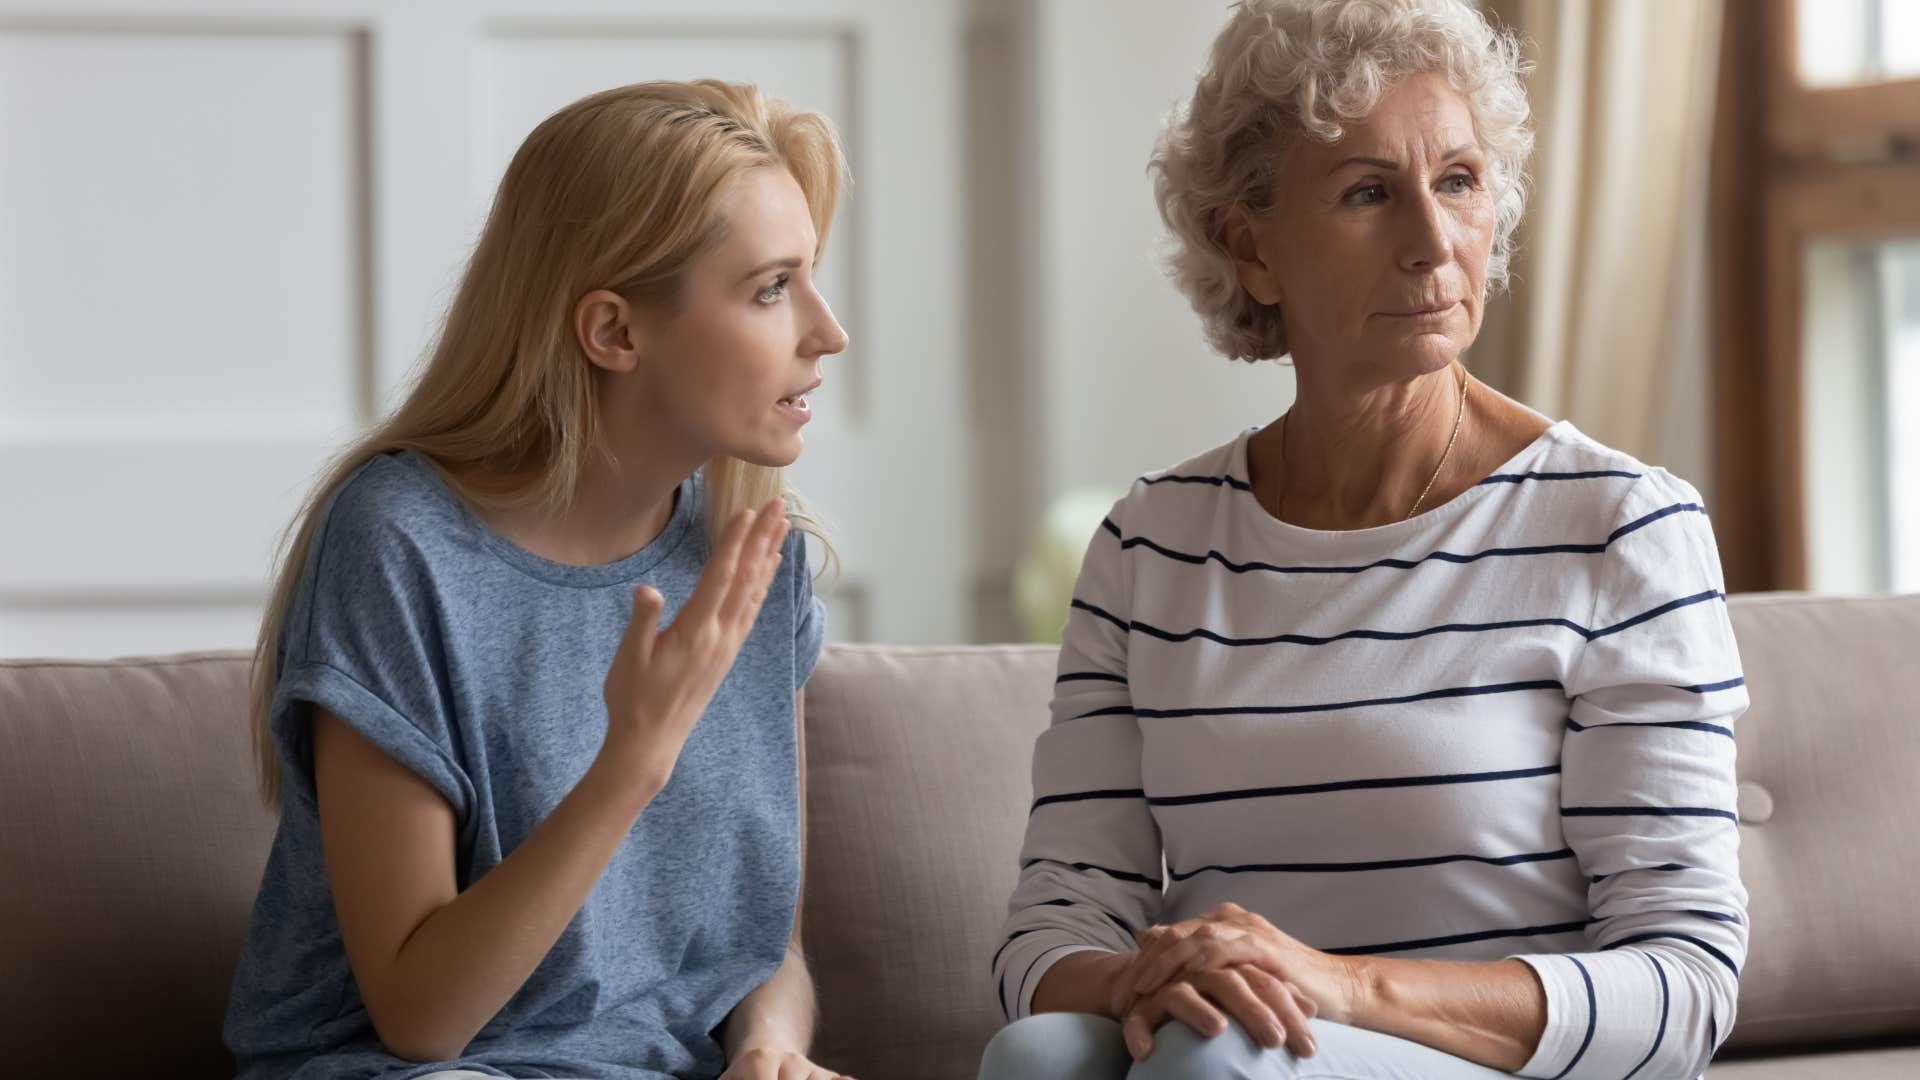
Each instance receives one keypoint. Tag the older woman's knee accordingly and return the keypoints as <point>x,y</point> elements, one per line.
<point>1180,1053</point>
<point>1056,1046</point>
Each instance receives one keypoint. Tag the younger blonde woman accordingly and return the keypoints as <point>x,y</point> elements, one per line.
<point>528,693</point>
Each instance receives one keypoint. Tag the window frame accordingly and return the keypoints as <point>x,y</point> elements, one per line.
<point>1788,172</point>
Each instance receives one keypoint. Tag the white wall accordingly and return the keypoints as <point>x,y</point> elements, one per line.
<point>228,230</point>
<point>1104,374</point>
<point>1130,386</point>
<point>998,265</point>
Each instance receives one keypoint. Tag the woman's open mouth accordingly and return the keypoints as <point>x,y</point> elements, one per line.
<point>797,405</point>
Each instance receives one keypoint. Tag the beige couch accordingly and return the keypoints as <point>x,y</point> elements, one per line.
<point>131,844</point>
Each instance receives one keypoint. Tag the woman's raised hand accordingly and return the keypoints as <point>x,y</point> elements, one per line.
<point>661,680</point>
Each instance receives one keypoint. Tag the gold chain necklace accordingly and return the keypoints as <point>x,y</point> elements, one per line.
<point>1458,417</point>
<point>1448,452</point>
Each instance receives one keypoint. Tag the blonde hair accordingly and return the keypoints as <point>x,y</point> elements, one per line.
<point>1285,69</point>
<point>620,190</point>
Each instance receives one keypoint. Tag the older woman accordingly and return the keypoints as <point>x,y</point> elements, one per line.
<point>1392,738</point>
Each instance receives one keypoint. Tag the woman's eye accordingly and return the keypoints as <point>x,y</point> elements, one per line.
<point>773,292</point>
<point>1458,183</point>
<point>1367,196</point>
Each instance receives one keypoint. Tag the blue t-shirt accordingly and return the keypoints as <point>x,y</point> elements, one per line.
<point>481,667</point>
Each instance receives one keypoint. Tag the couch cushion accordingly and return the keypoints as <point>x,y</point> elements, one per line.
<point>1884,1063</point>
<point>919,766</point>
<point>1828,800</point>
<point>917,790</point>
<point>131,844</point>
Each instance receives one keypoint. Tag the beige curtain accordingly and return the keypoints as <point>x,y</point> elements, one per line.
<point>1606,322</point>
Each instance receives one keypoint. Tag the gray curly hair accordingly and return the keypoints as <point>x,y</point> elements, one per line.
<point>1282,69</point>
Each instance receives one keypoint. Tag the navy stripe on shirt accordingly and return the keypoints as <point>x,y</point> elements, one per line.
<point>1461,939</point>
<point>1080,796</point>
<point>1352,785</point>
<point>1099,612</point>
<point>1382,864</point>
<point>1118,875</point>
<point>1177,637</point>
<point>1406,564</point>
<point>1597,878</point>
<point>1014,936</point>
<point>1716,916</point>
<point>1593,1018</point>
<point>1238,484</point>
<point>1708,688</point>
<point>1089,676</point>
<point>1231,481</point>
<point>1661,1032</point>
<point>1690,725</point>
<point>1596,474</point>
<point>1647,811</point>
<point>1661,935</point>
<point>1285,710</point>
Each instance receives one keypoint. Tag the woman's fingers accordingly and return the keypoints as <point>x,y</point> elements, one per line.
<point>758,564</point>
<point>1184,1002</point>
<point>1138,1026</point>
<point>716,581</point>
<point>1231,991</point>
<point>1296,1012</point>
<point>645,625</point>
<point>1181,1001</point>
<point>1289,1005</point>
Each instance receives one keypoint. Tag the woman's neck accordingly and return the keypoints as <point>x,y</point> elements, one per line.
<point>1346,457</point>
<point>621,503</point>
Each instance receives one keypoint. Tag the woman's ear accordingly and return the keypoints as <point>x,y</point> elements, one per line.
<point>604,323</point>
<point>1238,235</point>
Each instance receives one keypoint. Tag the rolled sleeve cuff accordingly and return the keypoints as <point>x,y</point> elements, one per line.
<point>1028,962</point>
<point>1570,1015</point>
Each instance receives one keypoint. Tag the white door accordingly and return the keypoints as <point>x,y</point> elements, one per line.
<point>228,230</point>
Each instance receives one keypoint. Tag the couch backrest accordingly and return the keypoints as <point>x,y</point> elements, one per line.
<point>131,843</point>
<point>1829,800</point>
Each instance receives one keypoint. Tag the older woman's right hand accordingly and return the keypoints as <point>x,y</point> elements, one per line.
<point>1273,1013</point>
<point>1229,935</point>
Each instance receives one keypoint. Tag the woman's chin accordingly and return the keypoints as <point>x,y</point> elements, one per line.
<point>772,453</point>
<point>1423,354</point>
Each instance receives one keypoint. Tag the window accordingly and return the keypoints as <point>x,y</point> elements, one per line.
<point>1817,295</point>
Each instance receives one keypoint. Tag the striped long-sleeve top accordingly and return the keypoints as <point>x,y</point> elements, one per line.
<point>1501,728</point>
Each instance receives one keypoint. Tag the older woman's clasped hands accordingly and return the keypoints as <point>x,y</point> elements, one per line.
<point>1235,959</point>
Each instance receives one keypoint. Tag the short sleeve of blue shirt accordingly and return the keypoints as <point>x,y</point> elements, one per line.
<point>480,667</point>
<point>362,641</point>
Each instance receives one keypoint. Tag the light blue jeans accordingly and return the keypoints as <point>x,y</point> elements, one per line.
<point>1077,1046</point>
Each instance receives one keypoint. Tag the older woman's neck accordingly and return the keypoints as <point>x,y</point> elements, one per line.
<point>1358,455</point>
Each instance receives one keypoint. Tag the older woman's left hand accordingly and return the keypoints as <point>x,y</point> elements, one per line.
<point>1230,935</point>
